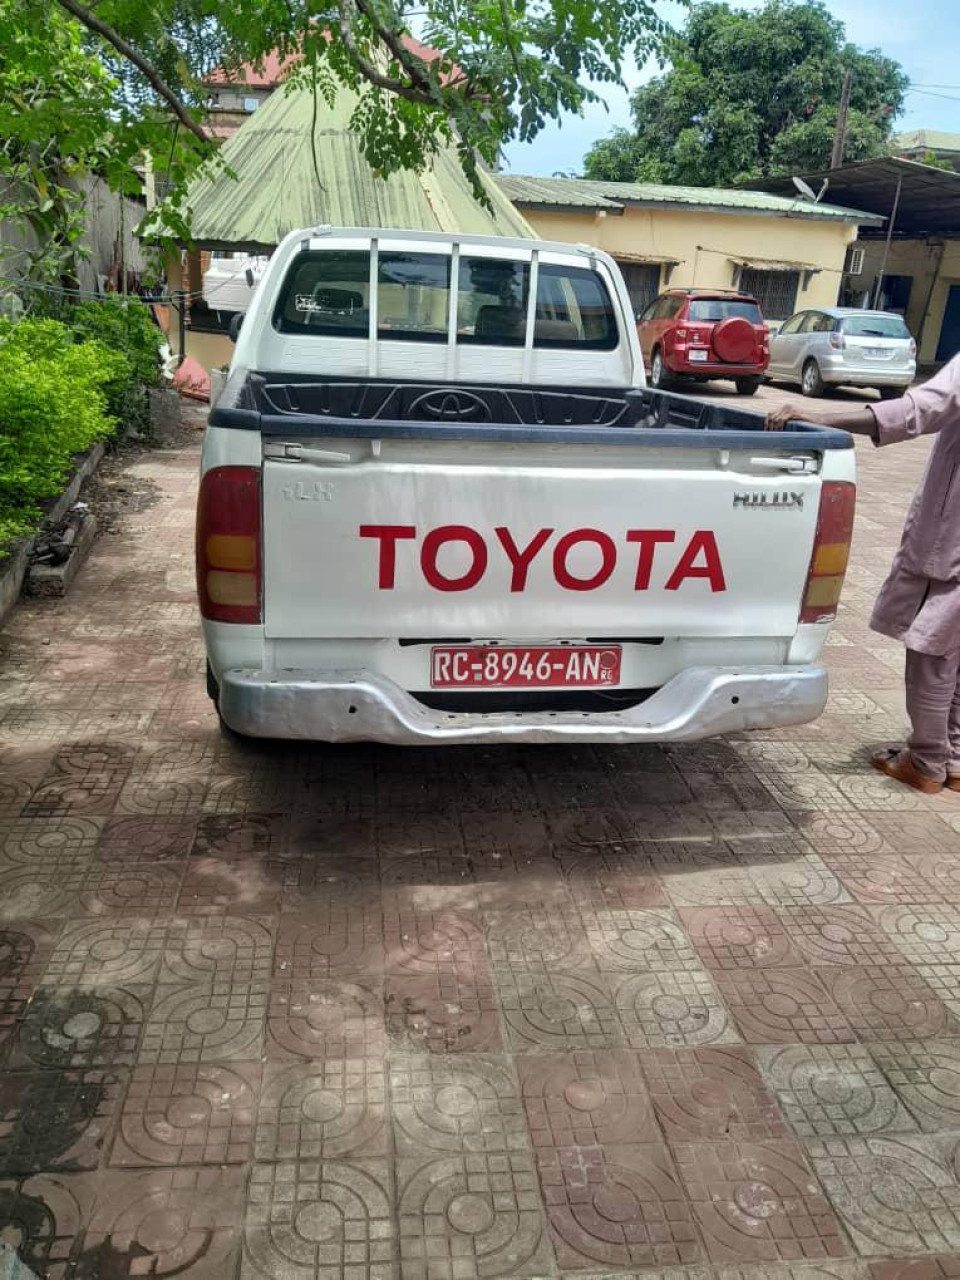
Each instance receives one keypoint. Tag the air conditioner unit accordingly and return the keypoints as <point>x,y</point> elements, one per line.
<point>854,263</point>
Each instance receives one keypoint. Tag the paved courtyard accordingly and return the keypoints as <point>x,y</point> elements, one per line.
<point>304,1013</point>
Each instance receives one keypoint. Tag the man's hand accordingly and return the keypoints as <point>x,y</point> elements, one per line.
<point>777,419</point>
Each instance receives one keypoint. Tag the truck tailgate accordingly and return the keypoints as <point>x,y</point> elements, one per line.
<point>418,538</point>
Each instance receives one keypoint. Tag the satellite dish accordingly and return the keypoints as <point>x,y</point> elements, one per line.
<point>808,192</point>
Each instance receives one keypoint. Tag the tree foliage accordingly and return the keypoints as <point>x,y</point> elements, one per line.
<point>89,87</point>
<point>750,94</point>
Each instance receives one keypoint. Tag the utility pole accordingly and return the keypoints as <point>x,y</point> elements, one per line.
<point>840,134</point>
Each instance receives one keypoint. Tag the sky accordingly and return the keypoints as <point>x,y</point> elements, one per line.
<point>920,34</point>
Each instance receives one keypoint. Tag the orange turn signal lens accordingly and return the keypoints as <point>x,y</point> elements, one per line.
<point>830,559</point>
<point>231,551</point>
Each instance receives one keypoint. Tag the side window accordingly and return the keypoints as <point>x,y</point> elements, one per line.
<point>811,322</point>
<point>413,296</point>
<point>573,310</point>
<point>793,324</point>
<point>326,292</point>
<point>492,301</point>
<point>648,312</point>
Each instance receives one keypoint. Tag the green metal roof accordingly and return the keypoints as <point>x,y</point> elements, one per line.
<point>275,190</point>
<point>581,193</point>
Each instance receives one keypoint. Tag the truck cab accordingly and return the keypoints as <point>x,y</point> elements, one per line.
<point>439,504</point>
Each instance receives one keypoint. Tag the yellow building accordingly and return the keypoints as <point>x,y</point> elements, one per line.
<point>788,253</point>
<point>912,263</point>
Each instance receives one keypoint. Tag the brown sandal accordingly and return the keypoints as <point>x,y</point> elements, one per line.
<point>953,782</point>
<point>896,763</point>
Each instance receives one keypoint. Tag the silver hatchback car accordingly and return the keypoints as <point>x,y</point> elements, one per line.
<point>834,346</point>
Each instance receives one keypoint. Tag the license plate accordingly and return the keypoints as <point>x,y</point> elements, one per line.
<point>477,667</point>
<point>875,353</point>
<point>699,355</point>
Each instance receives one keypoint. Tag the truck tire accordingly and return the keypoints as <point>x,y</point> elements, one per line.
<point>748,386</point>
<point>812,380</point>
<point>659,375</point>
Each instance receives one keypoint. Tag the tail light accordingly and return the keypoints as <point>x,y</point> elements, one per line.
<point>831,551</point>
<point>229,572</point>
<point>838,342</point>
<point>680,335</point>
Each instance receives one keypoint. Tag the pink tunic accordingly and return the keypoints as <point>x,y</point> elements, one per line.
<point>920,601</point>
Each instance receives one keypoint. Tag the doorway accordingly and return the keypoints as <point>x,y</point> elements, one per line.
<point>949,343</point>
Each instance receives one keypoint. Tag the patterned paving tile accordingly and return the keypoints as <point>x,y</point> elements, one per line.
<point>916,1269</point>
<point>926,1075</point>
<point>586,1099</point>
<point>331,940</point>
<point>231,887</point>
<point>711,1094</point>
<point>190,1114</point>
<point>49,845</point>
<point>232,837</point>
<point>718,882</point>
<point>445,1012</point>
<point>530,940</point>
<point>139,890</point>
<point>924,934</point>
<point>758,1202</point>
<point>847,935</point>
<point>56,1119</point>
<point>886,1002</point>
<point>782,1006</point>
<point>828,1090</point>
<point>456,1105</point>
<point>885,878</point>
<point>471,1216</point>
<point>604,878</point>
<point>43,1215</point>
<point>204,1024</point>
<point>325,1019</point>
<point>804,881</point>
<point>322,1110</point>
<point>231,949</point>
<point>106,953</point>
<point>564,1011</point>
<point>634,941</point>
<point>894,1195</point>
<point>24,950</point>
<point>842,834</point>
<point>308,1220</point>
<point>132,840</point>
<point>182,1221</point>
<point>668,1010</point>
<point>740,937</point>
<point>617,1206</point>
<point>80,1027</point>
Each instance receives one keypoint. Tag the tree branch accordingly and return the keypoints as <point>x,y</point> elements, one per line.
<point>88,19</point>
<point>393,39</point>
<point>366,67</point>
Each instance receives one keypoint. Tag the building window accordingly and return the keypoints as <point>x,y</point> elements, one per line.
<point>895,293</point>
<point>251,104</point>
<point>642,281</point>
<point>776,291</point>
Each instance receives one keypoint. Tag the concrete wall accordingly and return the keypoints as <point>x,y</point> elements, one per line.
<point>706,244</point>
<point>933,266</point>
<point>211,350</point>
<point>106,219</point>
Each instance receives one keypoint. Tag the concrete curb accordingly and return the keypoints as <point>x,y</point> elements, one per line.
<point>13,569</point>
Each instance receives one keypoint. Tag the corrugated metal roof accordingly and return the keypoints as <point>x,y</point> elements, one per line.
<point>572,193</point>
<point>276,189</point>
<point>927,140</point>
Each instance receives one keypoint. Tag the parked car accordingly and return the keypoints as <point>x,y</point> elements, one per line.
<point>438,505</point>
<point>704,334</point>
<point>844,346</point>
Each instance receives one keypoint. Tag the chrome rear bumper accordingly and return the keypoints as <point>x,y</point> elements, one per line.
<point>358,706</point>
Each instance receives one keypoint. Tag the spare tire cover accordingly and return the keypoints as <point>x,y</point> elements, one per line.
<point>734,340</point>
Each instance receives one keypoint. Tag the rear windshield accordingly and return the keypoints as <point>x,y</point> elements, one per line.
<point>874,327</point>
<point>328,292</point>
<point>723,309</point>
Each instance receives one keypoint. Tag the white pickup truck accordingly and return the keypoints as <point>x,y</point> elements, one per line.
<point>438,504</point>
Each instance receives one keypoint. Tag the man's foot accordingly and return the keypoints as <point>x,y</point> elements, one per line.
<point>897,763</point>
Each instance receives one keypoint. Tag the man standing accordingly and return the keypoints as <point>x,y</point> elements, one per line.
<point>920,601</point>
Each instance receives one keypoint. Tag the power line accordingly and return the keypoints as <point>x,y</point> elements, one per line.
<point>928,93</point>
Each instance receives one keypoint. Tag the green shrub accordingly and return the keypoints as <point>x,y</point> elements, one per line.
<point>54,404</point>
<point>125,326</point>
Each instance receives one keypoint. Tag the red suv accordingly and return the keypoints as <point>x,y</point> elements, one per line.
<point>704,334</point>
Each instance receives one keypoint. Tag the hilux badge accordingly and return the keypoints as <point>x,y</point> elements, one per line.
<point>781,500</point>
